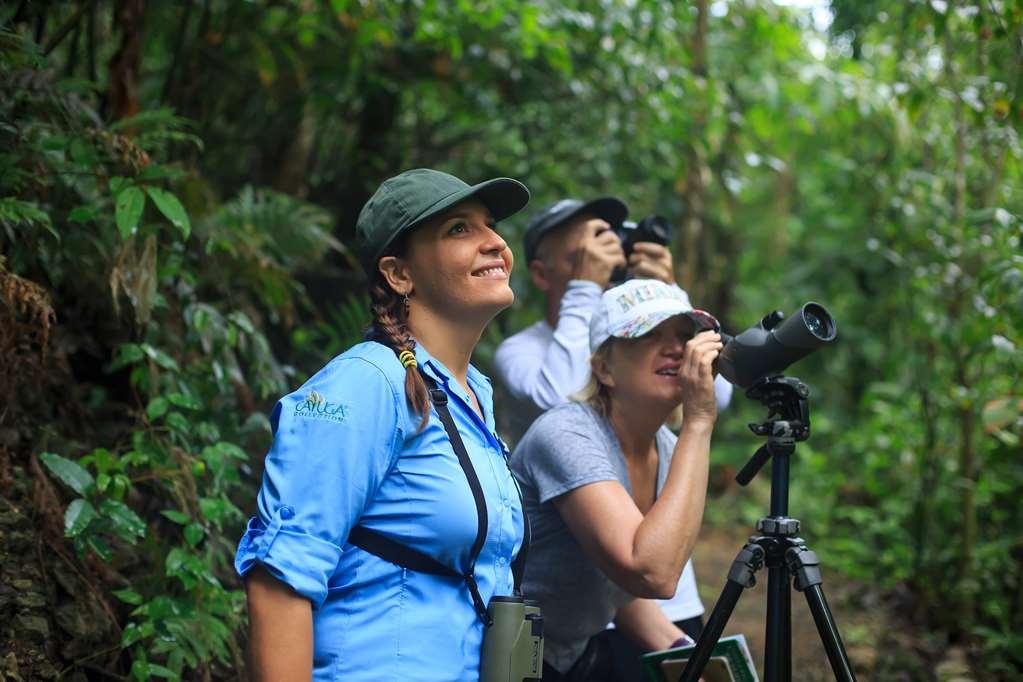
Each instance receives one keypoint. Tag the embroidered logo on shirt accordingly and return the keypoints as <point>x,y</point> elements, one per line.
<point>316,406</point>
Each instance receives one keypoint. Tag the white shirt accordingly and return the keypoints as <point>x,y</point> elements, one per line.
<point>542,366</point>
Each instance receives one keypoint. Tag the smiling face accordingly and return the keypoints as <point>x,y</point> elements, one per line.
<point>455,265</point>
<point>646,368</point>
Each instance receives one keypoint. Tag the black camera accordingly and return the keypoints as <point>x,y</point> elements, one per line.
<point>774,343</point>
<point>653,228</point>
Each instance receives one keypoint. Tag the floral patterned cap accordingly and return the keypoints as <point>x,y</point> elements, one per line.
<point>634,308</point>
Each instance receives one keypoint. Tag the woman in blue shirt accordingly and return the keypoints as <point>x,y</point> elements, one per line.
<point>360,445</point>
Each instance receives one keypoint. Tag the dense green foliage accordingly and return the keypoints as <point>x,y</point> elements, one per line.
<point>179,183</point>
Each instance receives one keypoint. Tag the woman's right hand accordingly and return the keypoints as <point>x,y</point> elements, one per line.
<point>696,377</point>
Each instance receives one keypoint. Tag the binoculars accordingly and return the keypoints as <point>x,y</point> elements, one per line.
<point>513,641</point>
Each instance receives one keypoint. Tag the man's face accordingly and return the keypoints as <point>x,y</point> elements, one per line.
<point>554,265</point>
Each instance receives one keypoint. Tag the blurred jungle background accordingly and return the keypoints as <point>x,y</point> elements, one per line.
<point>179,182</point>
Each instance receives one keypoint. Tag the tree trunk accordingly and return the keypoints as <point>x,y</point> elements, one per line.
<point>965,416</point>
<point>689,263</point>
<point>122,98</point>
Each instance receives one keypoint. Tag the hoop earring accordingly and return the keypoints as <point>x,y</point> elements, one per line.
<point>406,303</point>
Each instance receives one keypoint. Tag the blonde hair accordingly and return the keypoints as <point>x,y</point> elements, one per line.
<point>598,395</point>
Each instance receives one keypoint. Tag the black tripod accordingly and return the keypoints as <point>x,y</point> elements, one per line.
<point>778,546</point>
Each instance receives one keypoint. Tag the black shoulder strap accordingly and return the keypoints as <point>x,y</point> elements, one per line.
<point>399,554</point>
<point>440,401</point>
<point>395,552</point>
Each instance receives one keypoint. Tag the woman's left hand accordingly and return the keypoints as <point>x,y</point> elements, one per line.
<point>696,376</point>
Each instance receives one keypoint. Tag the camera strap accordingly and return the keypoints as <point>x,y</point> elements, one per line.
<point>406,557</point>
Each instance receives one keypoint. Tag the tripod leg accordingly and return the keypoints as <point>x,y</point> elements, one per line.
<point>829,634</point>
<point>778,645</point>
<point>747,562</point>
<point>805,566</point>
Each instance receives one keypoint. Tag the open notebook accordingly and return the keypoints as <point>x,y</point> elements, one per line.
<point>729,662</point>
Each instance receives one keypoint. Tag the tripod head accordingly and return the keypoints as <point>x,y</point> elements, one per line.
<point>787,400</point>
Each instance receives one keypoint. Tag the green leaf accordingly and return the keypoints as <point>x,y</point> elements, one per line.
<point>140,671</point>
<point>127,354</point>
<point>102,460</point>
<point>217,510</point>
<point>172,209</point>
<point>185,401</point>
<point>231,450</point>
<point>128,210</point>
<point>160,358</point>
<point>28,212</point>
<point>80,513</point>
<point>176,516</point>
<point>243,321</point>
<point>120,486</point>
<point>82,152</point>
<point>175,561</point>
<point>155,171</point>
<point>131,634</point>
<point>70,473</point>
<point>82,214</point>
<point>102,481</point>
<point>117,183</point>
<point>160,671</point>
<point>54,143</point>
<point>157,408</point>
<point>194,534</point>
<point>128,596</point>
<point>178,422</point>
<point>101,548</point>
<point>126,523</point>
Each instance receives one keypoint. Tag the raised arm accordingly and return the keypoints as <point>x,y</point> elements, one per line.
<point>645,554</point>
<point>547,373</point>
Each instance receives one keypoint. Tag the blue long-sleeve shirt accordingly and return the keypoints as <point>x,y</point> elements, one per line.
<point>347,451</point>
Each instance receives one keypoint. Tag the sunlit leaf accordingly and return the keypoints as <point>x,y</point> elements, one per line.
<point>125,521</point>
<point>128,210</point>
<point>176,516</point>
<point>128,596</point>
<point>157,408</point>
<point>69,472</point>
<point>172,209</point>
<point>80,513</point>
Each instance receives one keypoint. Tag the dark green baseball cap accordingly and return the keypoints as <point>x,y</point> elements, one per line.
<point>403,202</point>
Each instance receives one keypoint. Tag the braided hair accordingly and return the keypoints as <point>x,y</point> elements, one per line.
<point>390,327</point>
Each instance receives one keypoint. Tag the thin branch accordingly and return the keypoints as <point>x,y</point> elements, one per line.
<point>68,26</point>
<point>90,42</point>
<point>40,25</point>
<point>72,57</point>
<point>182,30</point>
<point>81,661</point>
<point>20,15</point>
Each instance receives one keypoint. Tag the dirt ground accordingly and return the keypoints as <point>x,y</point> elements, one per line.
<point>861,627</point>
